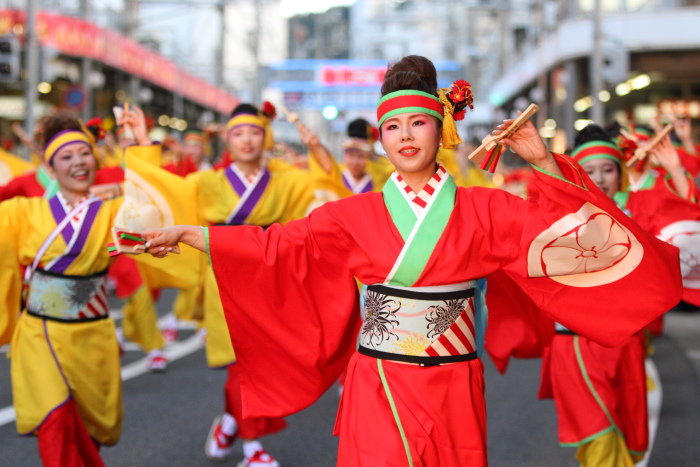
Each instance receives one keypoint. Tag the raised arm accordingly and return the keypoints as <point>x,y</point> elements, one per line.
<point>667,157</point>
<point>683,129</point>
<point>317,149</point>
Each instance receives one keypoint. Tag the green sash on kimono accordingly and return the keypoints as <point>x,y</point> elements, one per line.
<point>421,233</point>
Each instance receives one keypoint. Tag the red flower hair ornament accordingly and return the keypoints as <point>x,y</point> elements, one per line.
<point>269,110</point>
<point>460,95</point>
<point>96,127</point>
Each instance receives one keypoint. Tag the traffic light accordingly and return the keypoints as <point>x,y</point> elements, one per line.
<point>9,59</point>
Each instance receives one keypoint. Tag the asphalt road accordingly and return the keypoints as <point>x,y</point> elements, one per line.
<point>167,416</point>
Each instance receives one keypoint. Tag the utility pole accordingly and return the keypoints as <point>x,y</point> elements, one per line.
<point>220,52</point>
<point>31,69</point>
<point>255,49</point>
<point>131,19</point>
<point>86,69</point>
<point>596,77</point>
<point>543,73</point>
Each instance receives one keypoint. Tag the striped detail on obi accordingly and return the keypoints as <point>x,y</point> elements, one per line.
<point>423,325</point>
<point>97,307</point>
<point>70,299</point>
<point>422,198</point>
<point>459,339</point>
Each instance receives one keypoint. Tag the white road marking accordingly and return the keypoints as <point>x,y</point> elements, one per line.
<point>172,352</point>
<point>693,354</point>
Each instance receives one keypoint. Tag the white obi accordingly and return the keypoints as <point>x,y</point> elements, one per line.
<point>424,325</point>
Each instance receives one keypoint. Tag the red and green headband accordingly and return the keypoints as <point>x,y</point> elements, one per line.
<point>597,150</point>
<point>408,101</point>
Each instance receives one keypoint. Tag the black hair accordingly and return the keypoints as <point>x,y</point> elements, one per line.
<point>591,133</point>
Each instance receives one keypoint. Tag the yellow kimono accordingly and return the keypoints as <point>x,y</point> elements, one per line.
<point>465,177</point>
<point>339,184</point>
<point>287,195</point>
<point>64,344</point>
<point>52,360</point>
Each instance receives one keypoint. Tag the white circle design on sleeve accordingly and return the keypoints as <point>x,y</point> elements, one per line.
<point>686,236</point>
<point>144,206</point>
<point>587,248</point>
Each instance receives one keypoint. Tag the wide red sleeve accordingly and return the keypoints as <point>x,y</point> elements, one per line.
<point>674,220</point>
<point>516,327</point>
<point>109,175</point>
<point>24,185</point>
<point>583,262</point>
<point>291,306</point>
<point>691,162</point>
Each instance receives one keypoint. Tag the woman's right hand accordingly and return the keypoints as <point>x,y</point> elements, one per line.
<point>160,242</point>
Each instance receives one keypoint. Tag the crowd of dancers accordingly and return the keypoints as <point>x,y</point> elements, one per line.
<point>377,273</point>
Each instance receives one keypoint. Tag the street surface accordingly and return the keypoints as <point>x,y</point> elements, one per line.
<point>167,416</point>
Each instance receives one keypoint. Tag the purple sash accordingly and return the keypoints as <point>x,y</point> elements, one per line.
<point>60,264</point>
<point>366,188</point>
<point>249,196</point>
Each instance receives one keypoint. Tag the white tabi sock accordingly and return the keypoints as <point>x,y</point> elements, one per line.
<point>228,424</point>
<point>171,322</point>
<point>251,447</point>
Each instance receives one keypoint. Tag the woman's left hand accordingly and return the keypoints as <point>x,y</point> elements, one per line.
<point>526,142</point>
<point>665,155</point>
<point>135,119</point>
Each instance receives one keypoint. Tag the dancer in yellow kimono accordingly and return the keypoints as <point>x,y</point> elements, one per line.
<point>362,171</point>
<point>245,192</point>
<point>65,357</point>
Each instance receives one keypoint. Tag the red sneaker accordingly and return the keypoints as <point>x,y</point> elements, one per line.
<point>157,363</point>
<point>260,459</point>
<point>219,444</point>
<point>169,335</point>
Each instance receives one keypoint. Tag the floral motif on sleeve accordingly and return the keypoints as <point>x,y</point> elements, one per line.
<point>595,245</point>
<point>380,318</point>
<point>441,317</point>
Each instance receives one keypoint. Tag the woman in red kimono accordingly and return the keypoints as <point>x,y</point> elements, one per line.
<point>599,392</point>
<point>663,199</point>
<point>414,392</point>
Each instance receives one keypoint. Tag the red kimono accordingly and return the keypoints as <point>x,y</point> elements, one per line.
<point>597,389</point>
<point>292,307</point>
<point>672,218</point>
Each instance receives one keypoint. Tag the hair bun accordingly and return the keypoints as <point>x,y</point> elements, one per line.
<point>590,133</point>
<point>411,72</point>
<point>56,123</point>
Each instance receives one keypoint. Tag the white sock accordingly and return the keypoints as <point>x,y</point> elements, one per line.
<point>251,447</point>
<point>155,353</point>
<point>171,323</point>
<point>228,424</point>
